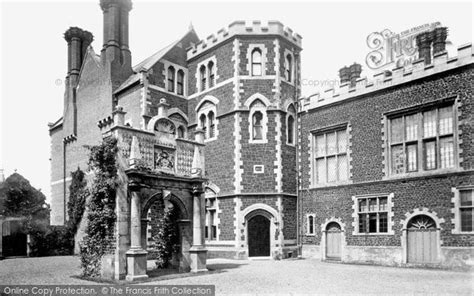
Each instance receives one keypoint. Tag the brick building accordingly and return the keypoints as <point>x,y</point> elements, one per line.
<point>239,86</point>
<point>387,166</point>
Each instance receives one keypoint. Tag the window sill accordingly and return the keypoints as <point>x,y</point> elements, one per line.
<point>258,141</point>
<point>291,145</point>
<point>373,234</point>
<point>210,140</point>
<point>423,173</point>
<point>322,185</point>
<point>310,234</point>
<point>463,232</point>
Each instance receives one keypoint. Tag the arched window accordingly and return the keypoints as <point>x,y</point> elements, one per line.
<point>288,67</point>
<point>202,73</point>
<point>180,83</point>
<point>256,62</point>
<point>203,124</point>
<point>171,73</point>
<point>257,118</point>
<point>181,132</point>
<point>210,69</point>
<point>290,125</point>
<point>291,129</point>
<point>210,118</point>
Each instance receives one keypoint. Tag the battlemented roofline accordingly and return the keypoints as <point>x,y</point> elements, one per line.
<point>240,28</point>
<point>440,63</point>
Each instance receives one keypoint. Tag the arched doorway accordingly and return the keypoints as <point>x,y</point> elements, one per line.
<point>333,241</point>
<point>258,231</point>
<point>422,241</point>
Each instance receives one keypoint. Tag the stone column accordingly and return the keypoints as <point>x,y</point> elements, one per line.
<point>198,252</point>
<point>136,256</point>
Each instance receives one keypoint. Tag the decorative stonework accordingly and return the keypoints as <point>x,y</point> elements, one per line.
<point>238,162</point>
<point>278,167</point>
<point>399,76</point>
<point>277,84</point>
<point>236,61</point>
<point>423,211</point>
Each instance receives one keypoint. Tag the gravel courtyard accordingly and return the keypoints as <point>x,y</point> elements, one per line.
<point>305,276</point>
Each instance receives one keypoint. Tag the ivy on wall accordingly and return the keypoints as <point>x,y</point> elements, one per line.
<point>101,217</point>
<point>77,200</point>
<point>166,240</point>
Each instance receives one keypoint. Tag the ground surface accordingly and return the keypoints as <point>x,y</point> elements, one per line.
<point>306,276</point>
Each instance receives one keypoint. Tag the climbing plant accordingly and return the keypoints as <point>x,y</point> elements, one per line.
<point>166,239</point>
<point>77,200</point>
<point>101,207</point>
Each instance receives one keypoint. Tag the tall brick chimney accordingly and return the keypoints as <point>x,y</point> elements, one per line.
<point>77,42</point>
<point>354,73</point>
<point>439,39</point>
<point>423,42</point>
<point>344,75</point>
<point>115,49</point>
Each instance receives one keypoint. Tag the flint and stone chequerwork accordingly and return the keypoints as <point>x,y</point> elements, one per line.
<point>388,174</point>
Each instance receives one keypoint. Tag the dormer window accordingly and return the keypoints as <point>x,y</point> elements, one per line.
<point>257,62</point>
<point>171,73</point>
<point>180,83</point>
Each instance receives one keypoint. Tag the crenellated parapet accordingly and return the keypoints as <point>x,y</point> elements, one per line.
<point>418,69</point>
<point>239,28</point>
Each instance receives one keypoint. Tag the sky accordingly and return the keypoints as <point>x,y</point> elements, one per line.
<point>33,53</point>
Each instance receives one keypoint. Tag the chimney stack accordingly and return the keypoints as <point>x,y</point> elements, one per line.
<point>354,73</point>
<point>344,75</point>
<point>77,42</point>
<point>115,48</point>
<point>423,42</point>
<point>439,39</point>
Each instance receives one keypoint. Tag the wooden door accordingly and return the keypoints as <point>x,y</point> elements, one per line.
<point>14,240</point>
<point>422,240</point>
<point>258,231</point>
<point>333,241</point>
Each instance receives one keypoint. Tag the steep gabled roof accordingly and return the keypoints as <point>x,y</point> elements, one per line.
<point>152,60</point>
<point>149,62</point>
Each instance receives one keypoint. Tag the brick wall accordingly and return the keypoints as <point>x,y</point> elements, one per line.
<point>365,115</point>
<point>289,217</point>
<point>433,193</point>
<point>226,216</point>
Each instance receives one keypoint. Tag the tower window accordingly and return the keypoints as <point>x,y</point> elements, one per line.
<point>288,67</point>
<point>257,126</point>
<point>203,124</point>
<point>171,73</point>
<point>256,62</point>
<point>180,83</point>
<point>202,73</point>
<point>291,124</point>
<point>210,69</point>
<point>211,124</point>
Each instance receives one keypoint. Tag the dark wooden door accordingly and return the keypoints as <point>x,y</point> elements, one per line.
<point>14,240</point>
<point>259,236</point>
